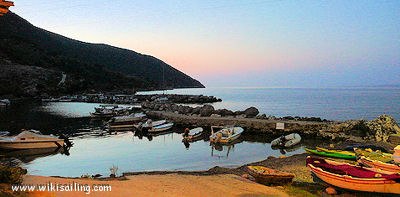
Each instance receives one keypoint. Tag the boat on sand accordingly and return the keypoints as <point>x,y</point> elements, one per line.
<point>355,178</point>
<point>379,165</point>
<point>268,176</point>
<point>29,140</point>
<point>331,154</point>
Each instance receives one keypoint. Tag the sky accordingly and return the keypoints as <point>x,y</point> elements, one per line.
<point>257,43</point>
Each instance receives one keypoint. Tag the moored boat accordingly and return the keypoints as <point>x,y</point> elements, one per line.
<point>379,165</point>
<point>193,134</point>
<point>331,154</point>
<point>287,141</point>
<point>30,140</point>
<point>226,134</point>
<point>161,128</point>
<point>354,178</point>
<point>268,176</point>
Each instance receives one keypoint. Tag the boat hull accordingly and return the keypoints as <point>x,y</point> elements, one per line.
<point>378,185</point>
<point>32,145</point>
<point>379,165</point>
<point>330,154</point>
<point>273,177</point>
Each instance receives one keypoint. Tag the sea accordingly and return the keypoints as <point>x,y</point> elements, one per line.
<point>95,150</point>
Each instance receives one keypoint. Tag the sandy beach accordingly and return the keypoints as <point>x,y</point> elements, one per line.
<point>164,185</point>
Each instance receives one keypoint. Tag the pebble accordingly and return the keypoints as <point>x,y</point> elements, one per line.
<point>331,191</point>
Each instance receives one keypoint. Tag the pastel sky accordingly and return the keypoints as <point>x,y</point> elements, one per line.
<point>242,43</point>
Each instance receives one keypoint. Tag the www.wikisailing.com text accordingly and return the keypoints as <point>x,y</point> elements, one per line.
<point>58,187</point>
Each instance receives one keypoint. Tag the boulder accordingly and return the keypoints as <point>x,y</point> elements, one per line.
<point>251,112</point>
<point>207,110</point>
<point>224,112</point>
<point>382,127</point>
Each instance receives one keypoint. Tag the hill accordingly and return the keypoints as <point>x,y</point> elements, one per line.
<point>88,66</point>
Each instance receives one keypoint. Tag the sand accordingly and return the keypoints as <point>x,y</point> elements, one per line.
<point>164,185</point>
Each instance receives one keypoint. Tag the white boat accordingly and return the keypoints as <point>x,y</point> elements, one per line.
<point>149,123</point>
<point>193,134</point>
<point>129,118</point>
<point>30,140</point>
<point>161,128</point>
<point>287,141</point>
<point>4,133</point>
<point>226,134</point>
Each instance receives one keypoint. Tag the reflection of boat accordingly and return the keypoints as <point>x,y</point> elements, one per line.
<point>28,155</point>
<point>193,134</point>
<point>287,141</point>
<point>226,134</point>
<point>269,176</point>
<point>286,150</point>
<point>221,148</point>
<point>379,165</point>
<point>354,178</point>
<point>331,154</point>
<point>161,128</point>
<point>29,139</point>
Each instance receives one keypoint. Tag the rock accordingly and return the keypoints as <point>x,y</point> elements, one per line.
<point>331,191</point>
<point>382,127</point>
<point>282,156</point>
<point>262,116</point>
<point>206,110</point>
<point>224,112</point>
<point>246,176</point>
<point>251,112</point>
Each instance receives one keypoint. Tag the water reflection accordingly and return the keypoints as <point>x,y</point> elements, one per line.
<point>29,155</point>
<point>221,150</point>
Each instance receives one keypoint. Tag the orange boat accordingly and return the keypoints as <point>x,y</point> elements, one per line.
<point>378,185</point>
<point>268,176</point>
<point>380,165</point>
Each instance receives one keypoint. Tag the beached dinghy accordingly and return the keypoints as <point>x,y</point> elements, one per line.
<point>379,165</point>
<point>374,155</point>
<point>161,128</point>
<point>331,154</point>
<point>193,134</point>
<point>29,140</point>
<point>355,178</point>
<point>225,135</point>
<point>268,176</point>
<point>287,141</point>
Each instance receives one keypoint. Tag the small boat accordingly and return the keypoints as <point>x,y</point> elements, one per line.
<point>161,128</point>
<point>355,178</point>
<point>193,134</point>
<point>287,141</point>
<point>374,155</point>
<point>268,176</point>
<point>4,133</point>
<point>225,135</point>
<point>336,151</point>
<point>331,154</point>
<point>149,123</point>
<point>125,122</point>
<point>379,165</point>
<point>30,139</point>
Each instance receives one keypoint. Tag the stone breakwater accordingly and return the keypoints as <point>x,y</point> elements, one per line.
<point>379,129</point>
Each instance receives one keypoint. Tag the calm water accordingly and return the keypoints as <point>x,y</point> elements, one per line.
<point>95,151</point>
<point>329,103</point>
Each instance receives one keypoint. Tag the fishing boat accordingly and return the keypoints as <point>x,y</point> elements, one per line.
<point>193,134</point>
<point>355,178</point>
<point>226,134</point>
<point>268,176</point>
<point>379,165</point>
<point>29,140</point>
<point>374,155</point>
<point>161,128</point>
<point>150,123</point>
<point>287,141</point>
<point>125,122</point>
<point>331,154</point>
